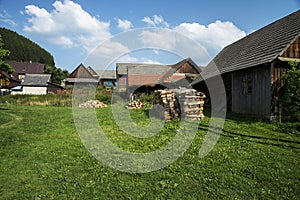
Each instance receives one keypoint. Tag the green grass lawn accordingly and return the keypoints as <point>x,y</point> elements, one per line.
<point>42,157</point>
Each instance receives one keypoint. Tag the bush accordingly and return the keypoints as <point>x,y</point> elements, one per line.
<point>291,98</point>
<point>104,98</point>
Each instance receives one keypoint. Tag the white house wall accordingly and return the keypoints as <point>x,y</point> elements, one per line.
<point>34,90</point>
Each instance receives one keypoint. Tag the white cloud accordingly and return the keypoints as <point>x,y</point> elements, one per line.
<point>66,25</point>
<point>110,49</point>
<point>213,37</point>
<point>148,21</point>
<point>104,54</point>
<point>171,41</point>
<point>157,20</point>
<point>132,59</point>
<point>158,39</point>
<point>62,40</point>
<point>124,25</point>
<point>6,18</point>
<point>111,52</point>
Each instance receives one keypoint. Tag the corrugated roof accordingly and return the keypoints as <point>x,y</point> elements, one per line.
<point>36,80</point>
<point>259,47</point>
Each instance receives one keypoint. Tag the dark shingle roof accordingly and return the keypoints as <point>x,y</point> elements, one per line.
<point>36,80</point>
<point>10,77</point>
<point>259,47</point>
<point>144,69</point>
<point>27,67</point>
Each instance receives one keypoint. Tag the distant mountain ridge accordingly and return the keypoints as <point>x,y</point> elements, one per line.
<point>24,50</point>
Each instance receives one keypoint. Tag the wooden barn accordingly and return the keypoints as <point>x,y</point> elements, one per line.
<point>132,77</point>
<point>251,67</point>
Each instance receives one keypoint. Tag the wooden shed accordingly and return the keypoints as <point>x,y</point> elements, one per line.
<point>81,75</point>
<point>251,68</point>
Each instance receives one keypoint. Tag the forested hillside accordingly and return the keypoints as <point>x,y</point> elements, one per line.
<point>23,49</point>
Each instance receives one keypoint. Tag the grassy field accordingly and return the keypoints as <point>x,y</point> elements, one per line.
<point>42,157</point>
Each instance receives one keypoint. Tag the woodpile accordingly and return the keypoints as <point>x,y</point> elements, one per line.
<point>135,104</point>
<point>92,104</point>
<point>192,102</point>
<point>187,103</point>
<point>168,100</point>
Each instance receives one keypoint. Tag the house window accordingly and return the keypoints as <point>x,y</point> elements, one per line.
<point>247,86</point>
<point>4,82</point>
<point>108,83</point>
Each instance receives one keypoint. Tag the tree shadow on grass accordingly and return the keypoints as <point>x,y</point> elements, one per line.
<point>280,142</point>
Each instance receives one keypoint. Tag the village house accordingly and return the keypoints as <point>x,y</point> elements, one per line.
<point>36,84</point>
<point>21,69</point>
<point>251,67</point>
<point>8,81</point>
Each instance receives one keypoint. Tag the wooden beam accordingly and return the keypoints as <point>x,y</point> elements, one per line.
<point>289,59</point>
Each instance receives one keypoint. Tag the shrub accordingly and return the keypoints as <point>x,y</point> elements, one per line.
<point>104,98</point>
<point>291,98</point>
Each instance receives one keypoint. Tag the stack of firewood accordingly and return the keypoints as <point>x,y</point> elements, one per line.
<point>135,104</point>
<point>192,103</point>
<point>92,104</point>
<point>167,99</point>
<point>190,100</point>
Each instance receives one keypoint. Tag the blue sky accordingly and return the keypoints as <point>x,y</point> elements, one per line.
<point>71,30</point>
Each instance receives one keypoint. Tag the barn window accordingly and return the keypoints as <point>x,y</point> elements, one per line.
<point>247,86</point>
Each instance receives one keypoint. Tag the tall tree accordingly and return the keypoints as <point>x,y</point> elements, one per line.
<point>4,67</point>
<point>57,74</point>
<point>24,50</point>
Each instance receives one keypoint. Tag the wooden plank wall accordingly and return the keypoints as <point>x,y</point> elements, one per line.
<point>293,51</point>
<point>258,102</point>
<point>278,68</point>
<point>187,68</point>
